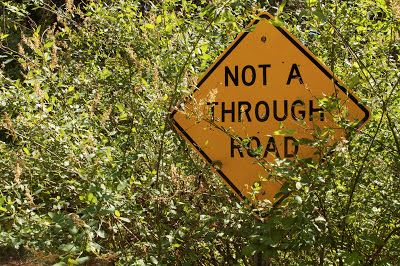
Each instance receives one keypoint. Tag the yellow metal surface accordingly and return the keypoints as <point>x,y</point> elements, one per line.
<point>264,80</point>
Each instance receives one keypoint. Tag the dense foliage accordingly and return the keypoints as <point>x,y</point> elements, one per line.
<point>91,168</point>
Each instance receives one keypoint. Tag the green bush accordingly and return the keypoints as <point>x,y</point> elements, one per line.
<point>91,167</point>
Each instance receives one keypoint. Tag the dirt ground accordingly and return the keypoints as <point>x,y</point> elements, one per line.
<point>15,261</point>
<point>12,261</point>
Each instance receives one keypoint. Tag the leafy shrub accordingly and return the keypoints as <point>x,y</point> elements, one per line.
<point>91,168</point>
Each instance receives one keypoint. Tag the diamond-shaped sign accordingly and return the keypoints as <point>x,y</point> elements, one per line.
<point>266,88</point>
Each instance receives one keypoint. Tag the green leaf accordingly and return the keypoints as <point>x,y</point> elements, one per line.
<point>277,22</point>
<point>282,6</point>
<point>70,247</point>
<point>37,31</point>
<point>74,230</point>
<point>298,199</point>
<point>26,151</point>
<point>305,141</point>
<point>382,4</point>
<point>303,12</point>
<point>320,15</point>
<point>320,219</point>
<point>217,164</point>
<point>153,260</point>
<point>39,52</point>
<point>149,26</point>
<point>124,219</point>
<point>204,48</point>
<point>91,198</point>
<point>61,263</point>
<point>7,61</point>
<point>354,81</point>
<point>250,29</point>
<point>276,236</point>
<point>62,132</point>
<point>72,261</point>
<point>101,233</point>
<point>249,250</point>
<point>49,44</point>
<point>169,28</point>
<point>93,247</point>
<point>311,3</point>
<point>29,81</point>
<point>122,185</point>
<point>353,258</point>
<point>159,19</point>
<point>83,260</point>
<point>107,211</point>
<point>285,132</point>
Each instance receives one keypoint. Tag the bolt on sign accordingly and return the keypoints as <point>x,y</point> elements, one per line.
<point>266,88</point>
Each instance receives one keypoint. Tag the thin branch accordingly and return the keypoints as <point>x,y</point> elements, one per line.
<point>127,229</point>
<point>380,247</point>
<point>172,100</point>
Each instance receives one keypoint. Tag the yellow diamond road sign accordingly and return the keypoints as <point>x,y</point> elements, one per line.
<point>266,87</point>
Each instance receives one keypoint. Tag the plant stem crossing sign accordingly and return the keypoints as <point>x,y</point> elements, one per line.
<point>262,95</point>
